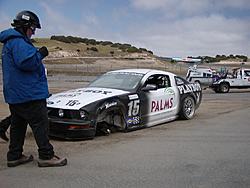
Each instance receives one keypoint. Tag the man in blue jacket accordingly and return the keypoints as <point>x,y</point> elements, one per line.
<point>25,89</point>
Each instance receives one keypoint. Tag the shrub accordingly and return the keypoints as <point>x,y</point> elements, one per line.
<point>112,52</point>
<point>133,50</point>
<point>93,49</point>
<point>104,43</point>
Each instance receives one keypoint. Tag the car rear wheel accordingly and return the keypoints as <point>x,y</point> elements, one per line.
<point>188,108</point>
<point>224,88</point>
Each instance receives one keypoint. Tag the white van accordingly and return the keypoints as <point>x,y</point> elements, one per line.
<point>202,75</point>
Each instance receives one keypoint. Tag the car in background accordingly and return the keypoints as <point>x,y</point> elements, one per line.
<point>239,79</point>
<point>122,100</point>
<point>201,75</point>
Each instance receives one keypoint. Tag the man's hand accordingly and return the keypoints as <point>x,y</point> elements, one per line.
<point>44,51</point>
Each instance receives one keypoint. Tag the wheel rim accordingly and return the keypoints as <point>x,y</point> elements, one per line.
<point>189,107</point>
<point>224,88</point>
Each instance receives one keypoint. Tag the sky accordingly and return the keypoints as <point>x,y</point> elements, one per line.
<point>169,28</point>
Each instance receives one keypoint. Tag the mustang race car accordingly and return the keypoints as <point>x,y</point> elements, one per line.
<point>122,100</point>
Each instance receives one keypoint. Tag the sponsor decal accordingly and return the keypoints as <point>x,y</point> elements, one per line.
<point>159,105</point>
<point>67,95</point>
<point>133,121</point>
<point>108,105</point>
<point>132,97</point>
<point>50,102</point>
<point>97,91</point>
<point>79,92</point>
<point>189,88</point>
<point>169,91</point>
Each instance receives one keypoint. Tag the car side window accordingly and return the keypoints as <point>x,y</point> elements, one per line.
<point>247,73</point>
<point>180,81</point>
<point>161,81</point>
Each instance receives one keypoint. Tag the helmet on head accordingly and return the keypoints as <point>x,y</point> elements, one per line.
<point>26,19</point>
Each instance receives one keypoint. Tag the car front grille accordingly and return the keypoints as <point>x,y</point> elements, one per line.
<point>68,114</point>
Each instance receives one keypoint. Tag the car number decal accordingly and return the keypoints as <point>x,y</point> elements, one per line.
<point>133,107</point>
<point>72,103</point>
<point>133,110</point>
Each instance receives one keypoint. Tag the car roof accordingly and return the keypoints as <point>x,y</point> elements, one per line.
<point>144,71</point>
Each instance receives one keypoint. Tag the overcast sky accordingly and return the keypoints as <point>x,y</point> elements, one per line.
<point>170,28</point>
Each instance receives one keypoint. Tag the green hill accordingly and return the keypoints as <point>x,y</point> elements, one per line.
<point>88,48</point>
<point>61,46</point>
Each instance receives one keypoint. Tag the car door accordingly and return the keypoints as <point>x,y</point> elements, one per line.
<point>159,104</point>
<point>246,78</point>
<point>207,78</point>
<point>238,80</point>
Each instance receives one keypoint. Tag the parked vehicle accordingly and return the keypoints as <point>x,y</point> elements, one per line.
<point>240,78</point>
<point>201,75</point>
<point>122,100</point>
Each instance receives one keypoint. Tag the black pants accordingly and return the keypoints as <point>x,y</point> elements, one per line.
<point>35,114</point>
<point>5,123</point>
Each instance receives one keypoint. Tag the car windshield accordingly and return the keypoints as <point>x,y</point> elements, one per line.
<point>118,80</point>
<point>247,72</point>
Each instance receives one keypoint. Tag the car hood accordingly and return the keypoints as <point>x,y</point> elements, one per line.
<point>77,98</point>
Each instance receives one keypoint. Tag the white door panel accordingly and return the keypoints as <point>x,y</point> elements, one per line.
<point>163,104</point>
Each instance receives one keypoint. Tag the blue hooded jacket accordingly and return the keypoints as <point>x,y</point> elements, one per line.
<point>24,77</point>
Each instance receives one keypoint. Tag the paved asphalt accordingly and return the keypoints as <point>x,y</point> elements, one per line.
<point>210,151</point>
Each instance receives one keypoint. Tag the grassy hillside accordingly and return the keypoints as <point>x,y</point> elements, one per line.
<point>62,49</point>
<point>82,58</point>
<point>82,49</point>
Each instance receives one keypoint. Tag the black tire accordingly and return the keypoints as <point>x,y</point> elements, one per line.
<point>187,110</point>
<point>224,88</point>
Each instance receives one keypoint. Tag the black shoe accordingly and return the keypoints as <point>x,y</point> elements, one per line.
<point>3,136</point>
<point>23,160</point>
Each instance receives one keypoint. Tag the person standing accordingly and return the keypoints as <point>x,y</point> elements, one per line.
<point>25,89</point>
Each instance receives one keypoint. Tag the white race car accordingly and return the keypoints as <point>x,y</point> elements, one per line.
<point>122,100</point>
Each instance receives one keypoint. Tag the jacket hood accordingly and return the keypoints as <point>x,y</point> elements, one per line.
<point>77,98</point>
<point>8,34</point>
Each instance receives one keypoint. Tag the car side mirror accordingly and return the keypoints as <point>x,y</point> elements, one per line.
<point>149,87</point>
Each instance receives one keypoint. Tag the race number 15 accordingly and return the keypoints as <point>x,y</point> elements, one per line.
<point>133,107</point>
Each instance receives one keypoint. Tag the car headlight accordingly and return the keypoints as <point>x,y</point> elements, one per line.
<point>82,114</point>
<point>60,113</point>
